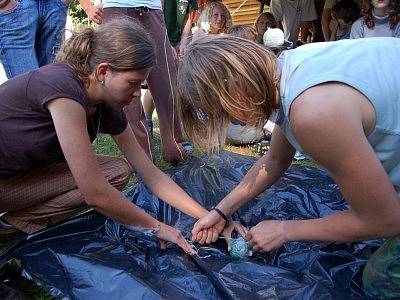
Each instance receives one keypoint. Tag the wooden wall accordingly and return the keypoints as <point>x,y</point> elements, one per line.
<point>247,13</point>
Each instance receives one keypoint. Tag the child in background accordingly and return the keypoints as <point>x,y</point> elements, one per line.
<point>344,14</point>
<point>214,19</point>
<point>380,19</point>
<point>178,16</point>
<point>264,21</point>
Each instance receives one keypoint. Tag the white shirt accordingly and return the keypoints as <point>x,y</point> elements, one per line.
<point>152,4</point>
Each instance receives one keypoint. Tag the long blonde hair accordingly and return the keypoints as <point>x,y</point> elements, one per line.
<point>121,42</point>
<point>204,19</point>
<point>222,78</point>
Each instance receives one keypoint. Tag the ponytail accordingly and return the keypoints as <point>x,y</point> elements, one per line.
<point>121,43</point>
<point>77,51</point>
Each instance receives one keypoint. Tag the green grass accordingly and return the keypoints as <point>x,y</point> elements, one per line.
<point>104,145</point>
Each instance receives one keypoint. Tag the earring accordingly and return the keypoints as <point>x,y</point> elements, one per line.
<point>102,82</point>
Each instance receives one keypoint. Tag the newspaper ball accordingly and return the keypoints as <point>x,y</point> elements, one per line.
<point>240,248</point>
<point>273,37</point>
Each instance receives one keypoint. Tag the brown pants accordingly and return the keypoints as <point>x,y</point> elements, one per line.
<point>161,83</point>
<point>49,195</point>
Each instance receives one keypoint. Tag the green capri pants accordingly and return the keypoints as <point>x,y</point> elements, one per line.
<point>381,276</point>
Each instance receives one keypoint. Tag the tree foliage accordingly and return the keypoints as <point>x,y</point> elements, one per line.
<point>78,15</point>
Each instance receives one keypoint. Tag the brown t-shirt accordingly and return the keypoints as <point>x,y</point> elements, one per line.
<point>28,139</point>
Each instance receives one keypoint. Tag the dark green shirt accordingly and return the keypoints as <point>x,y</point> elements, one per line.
<point>174,14</point>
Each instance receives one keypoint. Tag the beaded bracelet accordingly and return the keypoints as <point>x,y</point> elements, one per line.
<point>221,214</point>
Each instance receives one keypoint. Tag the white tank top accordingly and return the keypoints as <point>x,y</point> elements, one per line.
<point>369,65</point>
<point>152,4</point>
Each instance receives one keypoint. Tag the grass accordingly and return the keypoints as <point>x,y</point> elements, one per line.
<point>104,144</point>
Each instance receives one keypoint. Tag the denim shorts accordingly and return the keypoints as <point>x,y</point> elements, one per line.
<point>31,34</point>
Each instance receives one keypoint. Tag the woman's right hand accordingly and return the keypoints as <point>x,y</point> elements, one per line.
<point>210,222</point>
<point>95,13</point>
<point>167,233</point>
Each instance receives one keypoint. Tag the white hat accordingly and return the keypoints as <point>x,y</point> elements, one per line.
<point>273,38</point>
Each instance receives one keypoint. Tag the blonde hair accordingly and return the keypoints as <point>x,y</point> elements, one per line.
<point>204,19</point>
<point>121,42</point>
<point>222,78</point>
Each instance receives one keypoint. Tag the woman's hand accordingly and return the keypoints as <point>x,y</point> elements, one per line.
<point>167,233</point>
<point>267,235</point>
<point>211,222</point>
<point>95,13</point>
<point>227,232</point>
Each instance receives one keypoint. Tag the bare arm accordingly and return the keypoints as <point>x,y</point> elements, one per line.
<point>339,125</point>
<point>334,29</point>
<point>325,21</point>
<point>158,182</point>
<point>70,122</point>
<point>187,27</point>
<point>69,119</point>
<point>262,174</point>
<point>333,132</point>
<point>95,13</point>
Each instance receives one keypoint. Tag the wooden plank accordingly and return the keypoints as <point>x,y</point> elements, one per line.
<point>248,12</point>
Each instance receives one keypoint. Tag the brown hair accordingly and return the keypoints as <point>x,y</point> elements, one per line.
<point>222,78</point>
<point>121,42</point>
<point>394,11</point>
<point>205,17</point>
<point>347,10</point>
<point>244,31</point>
<point>269,17</point>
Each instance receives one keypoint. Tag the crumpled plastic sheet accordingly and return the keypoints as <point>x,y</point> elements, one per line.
<point>92,257</point>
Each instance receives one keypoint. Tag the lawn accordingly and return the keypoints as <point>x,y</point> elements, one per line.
<point>104,144</point>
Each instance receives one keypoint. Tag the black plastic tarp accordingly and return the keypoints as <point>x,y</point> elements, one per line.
<point>91,257</point>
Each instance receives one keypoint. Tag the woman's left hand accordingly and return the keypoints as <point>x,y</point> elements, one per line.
<point>227,232</point>
<point>166,233</point>
<point>267,235</point>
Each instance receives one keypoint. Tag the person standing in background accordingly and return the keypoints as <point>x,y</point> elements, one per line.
<point>344,14</point>
<point>31,32</point>
<point>292,14</point>
<point>178,17</point>
<point>162,78</point>
<point>327,17</point>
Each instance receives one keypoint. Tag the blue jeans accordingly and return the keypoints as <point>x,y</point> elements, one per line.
<point>31,34</point>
